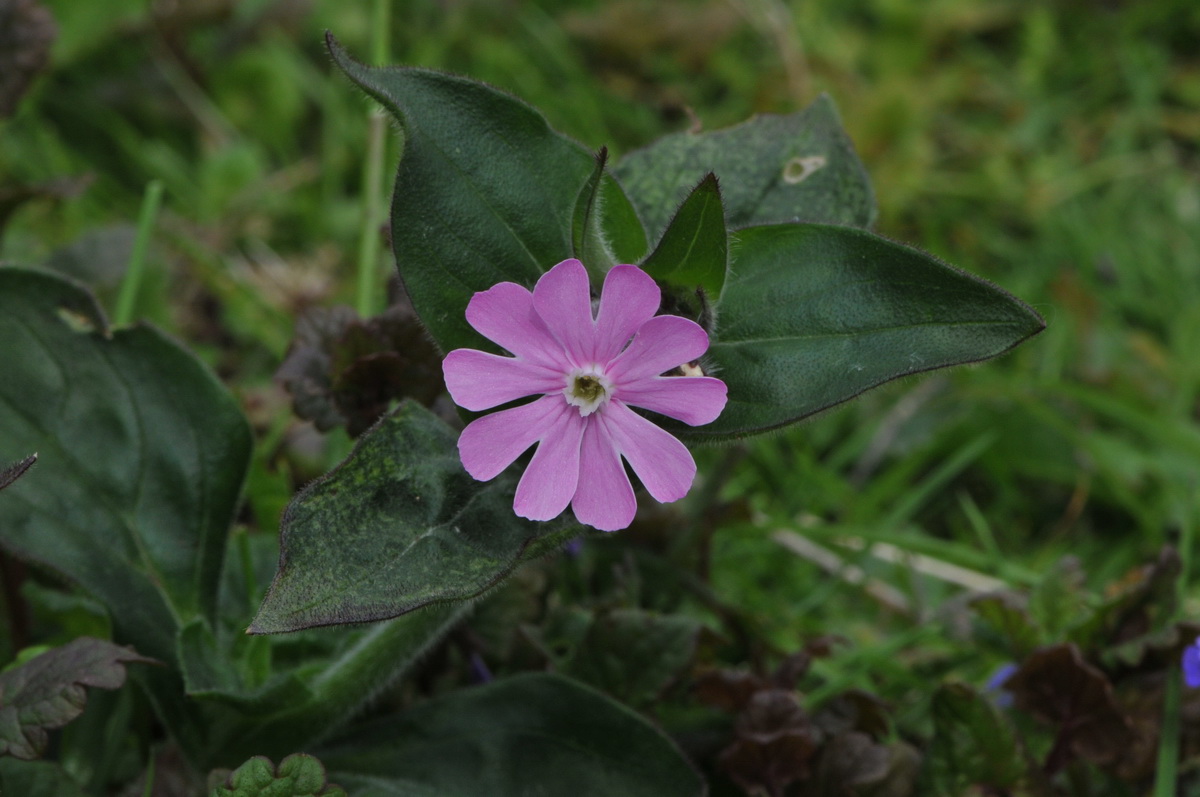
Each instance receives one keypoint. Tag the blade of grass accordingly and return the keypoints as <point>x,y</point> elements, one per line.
<point>151,201</point>
<point>1168,742</point>
<point>924,564</point>
<point>979,524</point>
<point>913,539</point>
<point>916,496</point>
<point>368,248</point>
<point>369,239</point>
<point>833,564</point>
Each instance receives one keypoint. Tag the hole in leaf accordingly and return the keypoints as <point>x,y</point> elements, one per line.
<point>797,170</point>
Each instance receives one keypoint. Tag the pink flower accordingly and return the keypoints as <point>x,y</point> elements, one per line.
<point>589,372</point>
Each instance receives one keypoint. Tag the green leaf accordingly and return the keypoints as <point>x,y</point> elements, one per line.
<point>211,671</point>
<point>813,315</point>
<point>530,734</point>
<point>398,525</point>
<point>587,237</point>
<point>694,251</point>
<point>623,231</point>
<point>799,167</point>
<point>297,776</point>
<point>973,744</point>
<point>1006,615</point>
<point>1061,600</point>
<point>589,240</point>
<point>37,779</point>
<point>50,690</point>
<point>141,458</point>
<point>314,697</point>
<point>1135,608</point>
<point>633,655</point>
<point>486,192</point>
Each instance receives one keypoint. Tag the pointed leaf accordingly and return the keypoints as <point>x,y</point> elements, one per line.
<point>141,458</point>
<point>1141,603</point>
<point>485,192</point>
<point>299,706</point>
<point>587,239</point>
<point>1061,600</point>
<point>1007,615</point>
<point>396,526</point>
<point>49,690</point>
<point>694,251</point>
<point>634,655</point>
<point>210,672</point>
<point>623,230</point>
<point>799,167</point>
<point>973,744</point>
<point>297,776</point>
<point>531,734</point>
<point>813,315</point>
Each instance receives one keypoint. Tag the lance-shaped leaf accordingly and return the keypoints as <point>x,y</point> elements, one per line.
<point>396,526</point>
<point>600,202</point>
<point>299,706</point>
<point>813,315</point>
<point>694,251</point>
<point>296,776</point>
<point>632,654</point>
<point>141,458</point>
<point>50,690</point>
<point>587,238</point>
<point>531,734</point>
<point>485,192</point>
<point>1006,615</point>
<point>799,167</point>
<point>973,744</point>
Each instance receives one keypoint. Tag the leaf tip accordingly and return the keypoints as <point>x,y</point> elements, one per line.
<point>338,53</point>
<point>258,628</point>
<point>16,470</point>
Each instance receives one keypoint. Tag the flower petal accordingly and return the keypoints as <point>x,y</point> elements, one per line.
<point>662,343</point>
<point>630,298</point>
<point>504,314</point>
<point>604,498</point>
<point>664,464</point>
<point>1191,664</point>
<point>479,381</point>
<point>490,444</point>
<point>564,301</point>
<point>549,482</point>
<point>695,400</point>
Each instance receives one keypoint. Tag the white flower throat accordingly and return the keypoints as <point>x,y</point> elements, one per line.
<point>587,388</point>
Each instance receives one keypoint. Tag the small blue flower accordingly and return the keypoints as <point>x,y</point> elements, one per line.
<point>480,673</point>
<point>1191,664</point>
<point>995,685</point>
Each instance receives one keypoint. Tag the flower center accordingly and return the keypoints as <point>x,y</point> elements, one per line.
<point>587,389</point>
